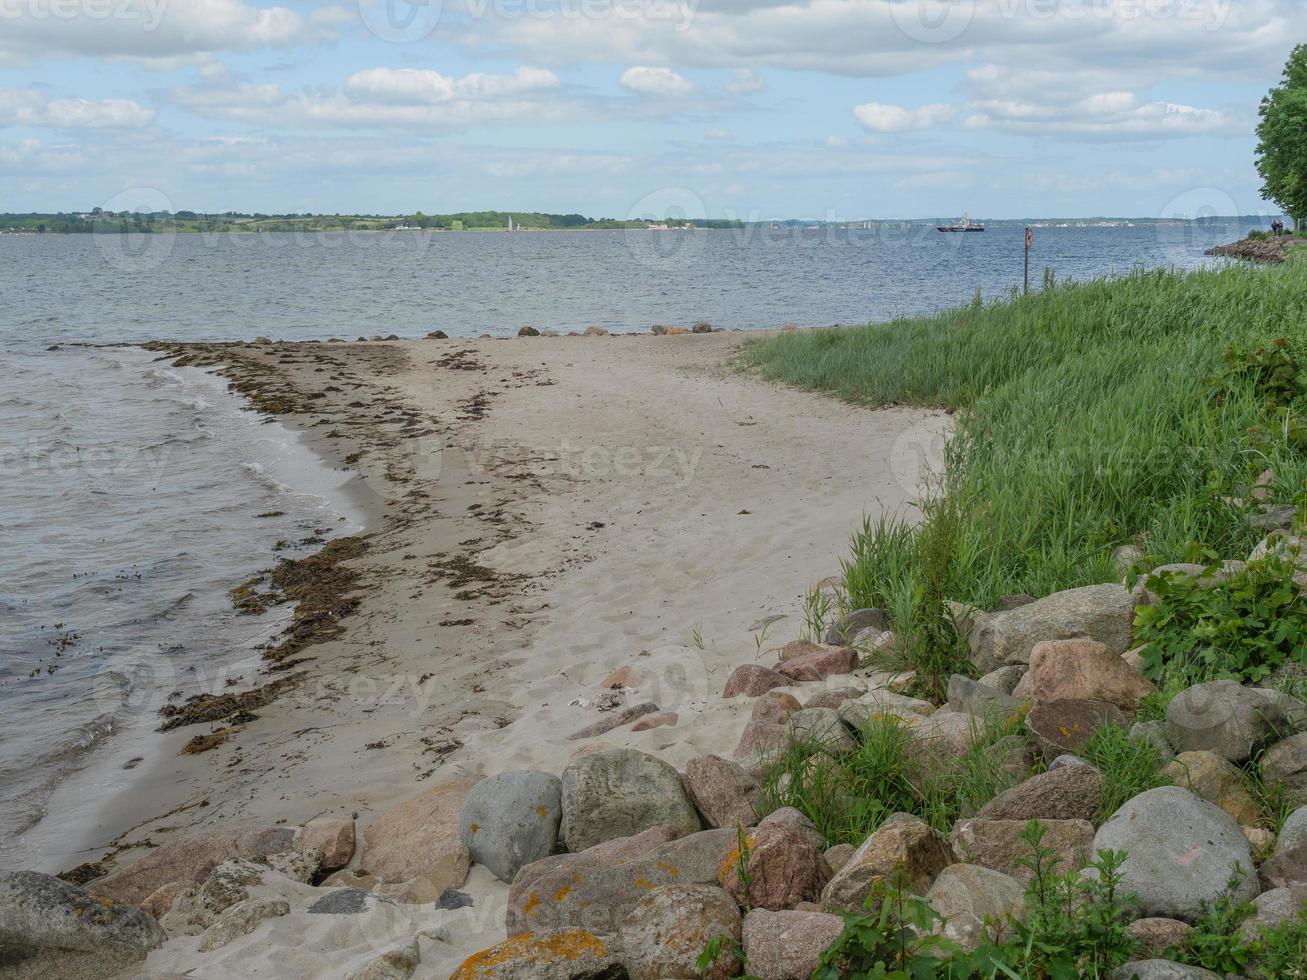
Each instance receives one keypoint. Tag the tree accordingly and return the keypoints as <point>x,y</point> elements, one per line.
<point>1282,139</point>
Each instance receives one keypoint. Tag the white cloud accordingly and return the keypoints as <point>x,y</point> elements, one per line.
<point>31,107</point>
<point>660,82</point>
<point>157,33</point>
<point>745,81</point>
<point>718,134</point>
<point>411,86</point>
<point>876,117</point>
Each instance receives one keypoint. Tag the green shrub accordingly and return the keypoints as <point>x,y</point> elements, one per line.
<point>1206,626</point>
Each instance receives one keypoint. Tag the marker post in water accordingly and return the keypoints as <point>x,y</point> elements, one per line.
<point>1030,240</point>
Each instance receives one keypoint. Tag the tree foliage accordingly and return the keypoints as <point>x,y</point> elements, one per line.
<point>1282,138</point>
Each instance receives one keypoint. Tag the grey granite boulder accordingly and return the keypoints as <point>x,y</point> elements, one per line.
<point>1161,970</point>
<point>722,790</point>
<point>1293,831</point>
<point>666,931</point>
<point>972,900</point>
<point>1227,719</point>
<point>619,792</point>
<point>50,928</point>
<point>1286,763</point>
<point>1097,612</point>
<point>981,700</point>
<point>1068,792</point>
<point>844,629</point>
<point>511,819</point>
<point>1181,852</point>
<point>787,945</point>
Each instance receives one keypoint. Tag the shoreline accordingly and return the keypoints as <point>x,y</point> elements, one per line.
<point>525,550</point>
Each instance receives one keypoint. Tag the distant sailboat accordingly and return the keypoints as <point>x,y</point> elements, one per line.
<point>510,222</point>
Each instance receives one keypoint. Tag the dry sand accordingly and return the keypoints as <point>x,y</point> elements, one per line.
<point>544,511</point>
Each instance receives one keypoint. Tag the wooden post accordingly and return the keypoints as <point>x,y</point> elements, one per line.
<point>1025,288</point>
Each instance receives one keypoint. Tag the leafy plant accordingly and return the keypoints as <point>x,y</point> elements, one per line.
<point>1216,941</point>
<point>719,949</point>
<point>1206,626</point>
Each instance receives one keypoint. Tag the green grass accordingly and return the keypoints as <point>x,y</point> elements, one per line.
<point>1088,416</point>
<point>848,797</point>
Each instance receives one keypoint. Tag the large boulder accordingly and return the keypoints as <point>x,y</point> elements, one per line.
<point>619,792</point>
<point>553,954</point>
<point>1064,793</point>
<point>1097,612</point>
<point>418,840</point>
<point>971,898</point>
<point>903,844</point>
<point>997,844</point>
<point>1216,781</point>
<point>1293,831</point>
<point>881,704</point>
<point>1161,970</point>
<point>1285,763</point>
<point>1085,670</point>
<point>819,664</point>
<point>1155,936</point>
<point>1181,852</point>
<point>241,919</point>
<point>1276,906</point>
<point>1226,718</point>
<point>668,929</point>
<point>752,680</point>
<point>974,698</point>
<point>1063,727</point>
<point>1287,867</point>
<point>331,837</point>
<point>821,728</point>
<point>787,945</point>
<point>847,627</point>
<point>596,889</point>
<point>723,791</point>
<point>187,861</point>
<point>511,819</point>
<point>50,928</point>
<point>773,867</point>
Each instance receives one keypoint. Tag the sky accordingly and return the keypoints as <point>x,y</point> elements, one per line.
<point>756,109</point>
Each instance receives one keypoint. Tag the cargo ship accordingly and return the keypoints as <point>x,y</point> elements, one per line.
<point>963,224</point>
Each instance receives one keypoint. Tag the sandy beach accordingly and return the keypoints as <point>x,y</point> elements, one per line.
<point>543,512</point>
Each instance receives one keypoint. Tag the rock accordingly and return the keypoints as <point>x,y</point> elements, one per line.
<point>1288,866</point>
<point>395,964</point>
<point>782,867</point>
<point>787,945</point>
<point>792,819</point>
<point>974,698</point>
<point>1154,734</point>
<point>969,897</point>
<point>1274,907</point>
<point>345,901</point>
<point>241,919</point>
<point>1155,936</point>
<point>663,719</point>
<point>775,708</point>
<point>844,628</point>
<point>419,838</point>
<point>188,861</point>
<point>596,889</point>
<point>437,335</point>
<point>799,648</point>
<point>332,837</point>
<point>160,900</point>
<point>701,328</point>
<point>821,728</point>
<point>943,735</point>
<point>50,928</point>
<point>903,843</point>
<point>1004,679</point>
<point>1097,612</point>
<point>820,664</point>
<point>1066,793</point>
<point>1085,670</point>
<point>752,680</point>
<point>1260,841</point>
<point>301,866</point>
<point>1067,726</point>
<point>1225,718</point>
<point>614,719</point>
<point>528,332</point>
<point>724,793</point>
<point>594,332</point>
<point>1180,852</point>
<point>834,698</point>
<point>511,819</point>
<point>879,703</point>
<point>553,954</point>
<point>262,341</point>
<point>668,929</point>
<point>452,898</point>
<point>1285,763</point>
<point>838,856</point>
<point>1293,831</point>
<point>658,330</point>
<point>1161,970</point>
<point>1216,781</point>
<point>997,844</point>
<point>619,792</point>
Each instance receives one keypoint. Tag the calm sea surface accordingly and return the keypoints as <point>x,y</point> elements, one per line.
<point>131,492</point>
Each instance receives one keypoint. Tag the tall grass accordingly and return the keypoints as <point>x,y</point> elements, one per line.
<point>1089,416</point>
